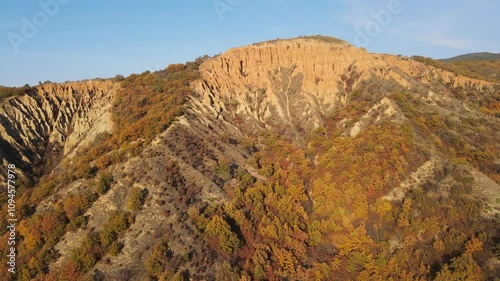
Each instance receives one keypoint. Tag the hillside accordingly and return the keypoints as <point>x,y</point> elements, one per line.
<point>297,159</point>
<point>474,56</point>
<point>488,70</point>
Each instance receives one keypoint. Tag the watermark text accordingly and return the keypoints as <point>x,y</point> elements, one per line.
<point>31,26</point>
<point>379,19</point>
<point>224,6</point>
<point>11,217</point>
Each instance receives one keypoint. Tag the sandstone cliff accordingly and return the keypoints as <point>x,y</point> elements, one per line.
<point>61,117</point>
<point>290,85</point>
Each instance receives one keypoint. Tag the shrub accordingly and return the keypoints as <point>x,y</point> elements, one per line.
<point>104,182</point>
<point>158,262</point>
<point>115,248</point>
<point>175,68</point>
<point>89,252</point>
<point>136,198</point>
<point>117,224</point>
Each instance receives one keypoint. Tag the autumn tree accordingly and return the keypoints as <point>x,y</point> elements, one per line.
<point>219,231</point>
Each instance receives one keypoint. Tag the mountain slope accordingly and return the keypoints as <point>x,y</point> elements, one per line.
<point>300,159</point>
<point>479,69</point>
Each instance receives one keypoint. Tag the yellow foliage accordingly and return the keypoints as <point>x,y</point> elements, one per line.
<point>220,229</point>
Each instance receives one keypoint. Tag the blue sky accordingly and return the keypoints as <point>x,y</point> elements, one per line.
<point>83,39</point>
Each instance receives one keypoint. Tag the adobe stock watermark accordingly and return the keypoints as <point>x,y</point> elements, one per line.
<point>379,19</point>
<point>223,6</point>
<point>31,26</point>
<point>11,218</point>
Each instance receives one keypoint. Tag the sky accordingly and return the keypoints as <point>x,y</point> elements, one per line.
<point>69,40</point>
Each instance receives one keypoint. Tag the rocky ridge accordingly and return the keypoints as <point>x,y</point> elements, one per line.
<point>293,84</point>
<point>56,119</point>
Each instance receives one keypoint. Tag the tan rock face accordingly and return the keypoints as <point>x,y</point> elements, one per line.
<point>68,115</point>
<point>280,84</point>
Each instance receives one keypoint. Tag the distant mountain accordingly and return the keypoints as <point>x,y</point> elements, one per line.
<point>488,70</point>
<point>474,56</point>
<point>297,159</point>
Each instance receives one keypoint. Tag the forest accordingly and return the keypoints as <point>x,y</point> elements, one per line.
<point>146,105</point>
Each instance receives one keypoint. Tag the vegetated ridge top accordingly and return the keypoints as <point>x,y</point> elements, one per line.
<point>474,56</point>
